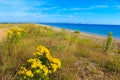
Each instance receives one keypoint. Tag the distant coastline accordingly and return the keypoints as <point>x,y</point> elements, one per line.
<point>99,30</point>
<point>76,26</point>
<point>57,23</point>
<point>83,34</point>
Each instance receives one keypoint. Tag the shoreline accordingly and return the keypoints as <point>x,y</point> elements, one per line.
<point>82,34</point>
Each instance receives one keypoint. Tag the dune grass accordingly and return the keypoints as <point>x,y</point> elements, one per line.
<point>81,58</point>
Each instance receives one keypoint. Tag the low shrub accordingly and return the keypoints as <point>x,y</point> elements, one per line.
<point>39,67</point>
<point>13,36</point>
<point>109,41</point>
<point>76,31</point>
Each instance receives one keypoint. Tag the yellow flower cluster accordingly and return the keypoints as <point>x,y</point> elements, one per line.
<point>36,64</point>
<point>29,73</point>
<point>41,51</point>
<point>22,70</point>
<point>55,64</point>
<point>42,65</point>
<point>14,34</point>
<point>44,55</point>
<point>25,73</point>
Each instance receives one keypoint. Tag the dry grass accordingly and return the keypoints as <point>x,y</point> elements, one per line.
<point>82,57</point>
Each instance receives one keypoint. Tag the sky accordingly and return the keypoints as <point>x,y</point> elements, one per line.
<point>61,11</point>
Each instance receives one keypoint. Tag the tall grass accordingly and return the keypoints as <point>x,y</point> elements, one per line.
<point>66,46</point>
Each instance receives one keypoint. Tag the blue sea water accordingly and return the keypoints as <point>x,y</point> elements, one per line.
<point>102,30</point>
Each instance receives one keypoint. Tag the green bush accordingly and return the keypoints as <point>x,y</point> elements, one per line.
<point>76,31</point>
<point>109,41</point>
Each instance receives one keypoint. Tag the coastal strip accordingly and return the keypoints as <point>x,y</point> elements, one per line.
<point>82,34</point>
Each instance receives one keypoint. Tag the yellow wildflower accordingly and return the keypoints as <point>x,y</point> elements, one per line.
<point>14,34</point>
<point>54,67</point>
<point>22,70</point>
<point>29,73</point>
<point>42,65</point>
<point>45,69</point>
<point>41,50</point>
<point>37,71</point>
<point>31,60</point>
<point>56,61</point>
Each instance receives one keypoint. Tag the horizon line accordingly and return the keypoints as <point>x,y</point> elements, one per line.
<point>56,23</point>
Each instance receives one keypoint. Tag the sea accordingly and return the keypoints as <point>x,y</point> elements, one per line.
<point>101,30</point>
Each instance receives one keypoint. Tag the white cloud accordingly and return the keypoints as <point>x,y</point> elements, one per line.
<point>9,2</point>
<point>13,6</point>
<point>87,8</point>
<point>62,9</point>
<point>101,6</point>
<point>49,8</point>
<point>71,16</point>
<point>91,7</point>
<point>18,8</point>
<point>54,7</point>
<point>74,9</point>
<point>37,3</point>
<point>117,6</point>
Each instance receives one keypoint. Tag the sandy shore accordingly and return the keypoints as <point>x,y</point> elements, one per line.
<point>82,34</point>
<point>2,33</point>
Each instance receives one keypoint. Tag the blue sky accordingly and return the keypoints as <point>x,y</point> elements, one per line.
<point>70,11</point>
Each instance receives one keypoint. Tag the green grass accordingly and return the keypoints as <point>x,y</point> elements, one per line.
<point>76,54</point>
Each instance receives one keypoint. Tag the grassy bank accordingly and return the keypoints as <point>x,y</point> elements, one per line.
<point>82,57</point>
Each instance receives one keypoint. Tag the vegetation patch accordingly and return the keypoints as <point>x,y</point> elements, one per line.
<point>63,55</point>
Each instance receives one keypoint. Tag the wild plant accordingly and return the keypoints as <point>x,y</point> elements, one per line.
<point>39,67</point>
<point>108,42</point>
<point>13,37</point>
